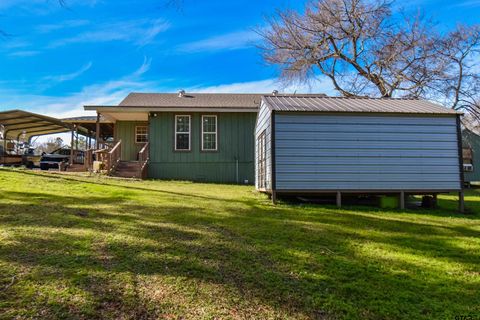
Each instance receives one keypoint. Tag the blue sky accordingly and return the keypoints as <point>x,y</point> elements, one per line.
<point>55,60</point>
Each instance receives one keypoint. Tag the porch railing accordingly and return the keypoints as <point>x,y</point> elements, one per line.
<point>110,157</point>
<point>143,157</point>
<point>88,162</point>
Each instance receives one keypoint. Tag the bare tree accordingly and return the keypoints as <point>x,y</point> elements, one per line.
<point>367,50</point>
<point>459,84</point>
<point>50,145</point>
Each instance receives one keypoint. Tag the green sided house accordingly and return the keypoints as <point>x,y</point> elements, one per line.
<point>471,156</point>
<point>286,144</point>
<point>197,137</point>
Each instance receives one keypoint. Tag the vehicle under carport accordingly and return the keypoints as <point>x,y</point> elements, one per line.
<point>19,125</point>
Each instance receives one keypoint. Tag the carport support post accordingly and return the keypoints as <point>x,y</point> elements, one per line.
<point>76,138</point>
<point>97,132</point>
<point>4,155</point>
<point>339,199</point>
<point>71,145</point>
<point>402,200</point>
<point>89,143</point>
<point>461,202</point>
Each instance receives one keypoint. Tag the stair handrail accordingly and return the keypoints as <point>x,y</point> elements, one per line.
<point>88,161</point>
<point>114,157</point>
<point>101,155</point>
<point>143,158</point>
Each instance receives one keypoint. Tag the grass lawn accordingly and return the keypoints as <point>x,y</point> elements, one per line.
<point>88,247</point>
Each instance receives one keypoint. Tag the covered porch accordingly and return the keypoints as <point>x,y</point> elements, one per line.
<point>121,143</point>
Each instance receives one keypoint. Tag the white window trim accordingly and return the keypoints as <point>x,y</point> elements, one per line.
<point>136,134</point>
<point>216,132</point>
<point>189,132</point>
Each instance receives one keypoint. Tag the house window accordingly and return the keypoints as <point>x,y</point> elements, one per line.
<point>467,160</point>
<point>182,132</point>
<point>209,133</point>
<point>262,161</point>
<point>141,134</point>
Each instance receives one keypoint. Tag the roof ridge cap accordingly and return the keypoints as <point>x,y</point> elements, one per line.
<point>316,96</point>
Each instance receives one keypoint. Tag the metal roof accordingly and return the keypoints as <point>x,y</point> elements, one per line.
<point>89,123</point>
<point>17,122</point>
<point>355,105</point>
<point>86,119</point>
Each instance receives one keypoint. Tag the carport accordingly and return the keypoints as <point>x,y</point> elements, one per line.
<point>19,124</point>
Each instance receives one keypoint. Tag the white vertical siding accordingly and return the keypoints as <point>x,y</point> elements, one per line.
<point>264,124</point>
<point>366,152</point>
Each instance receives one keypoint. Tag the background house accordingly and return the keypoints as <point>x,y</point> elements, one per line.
<point>471,156</point>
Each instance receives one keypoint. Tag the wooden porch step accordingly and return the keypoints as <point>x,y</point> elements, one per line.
<point>76,168</point>
<point>127,169</point>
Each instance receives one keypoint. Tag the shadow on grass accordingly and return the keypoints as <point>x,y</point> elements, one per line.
<point>447,207</point>
<point>111,183</point>
<point>299,261</point>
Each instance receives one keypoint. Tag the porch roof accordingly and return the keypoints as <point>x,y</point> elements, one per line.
<point>90,124</point>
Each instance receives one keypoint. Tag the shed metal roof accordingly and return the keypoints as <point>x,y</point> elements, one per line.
<point>354,105</point>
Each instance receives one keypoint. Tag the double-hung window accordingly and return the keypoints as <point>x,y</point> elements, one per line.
<point>262,161</point>
<point>209,133</point>
<point>141,134</point>
<point>182,132</point>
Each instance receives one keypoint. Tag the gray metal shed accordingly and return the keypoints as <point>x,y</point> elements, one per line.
<point>321,144</point>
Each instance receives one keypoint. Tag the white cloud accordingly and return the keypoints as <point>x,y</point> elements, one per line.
<point>150,33</point>
<point>46,28</point>
<point>229,41</point>
<point>467,4</point>
<point>26,53</point>
<point>112,92</point>
<point>144,68</point>
<point>15,44</point>
<point>106,93</point>
<point>43,6</point>
<point>267,86</point>
<point>5,4</point>
<point>69,76</point>
<point>138,32</point>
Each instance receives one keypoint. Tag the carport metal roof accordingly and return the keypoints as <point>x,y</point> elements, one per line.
<point>17,122</point>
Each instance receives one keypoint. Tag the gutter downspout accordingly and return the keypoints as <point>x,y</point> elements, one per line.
<point>236,170</point>
<point>5,146</point>
<point>273,159</point>
<point>461,200</point>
